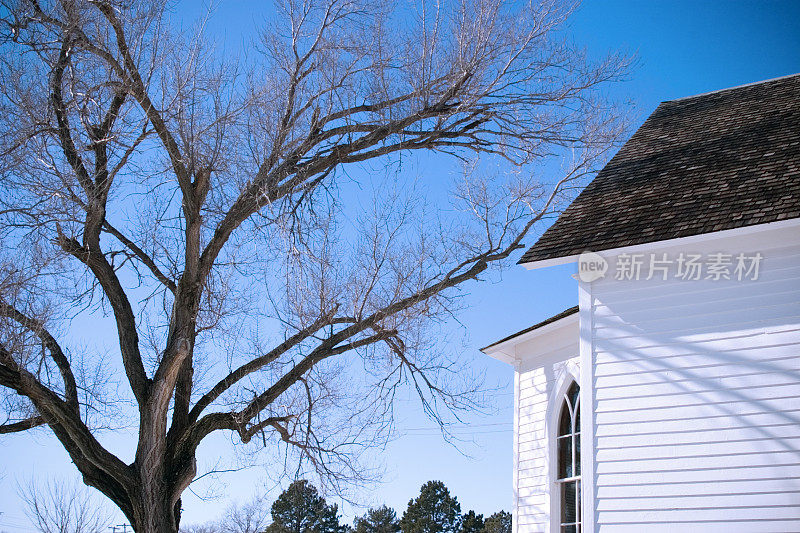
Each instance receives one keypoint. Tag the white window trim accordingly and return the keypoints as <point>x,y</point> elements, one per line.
<point>570,372</point>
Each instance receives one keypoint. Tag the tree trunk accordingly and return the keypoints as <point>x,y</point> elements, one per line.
<point>153,505</point>
<point>153,513</point>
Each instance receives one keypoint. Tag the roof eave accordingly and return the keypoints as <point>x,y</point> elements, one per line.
<point>688,240</point>
<point>505,350</point>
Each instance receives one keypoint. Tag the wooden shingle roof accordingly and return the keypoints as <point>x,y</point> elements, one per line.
<point>701,164</point>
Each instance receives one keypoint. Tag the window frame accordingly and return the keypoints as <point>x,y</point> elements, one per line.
<point>557,404</point>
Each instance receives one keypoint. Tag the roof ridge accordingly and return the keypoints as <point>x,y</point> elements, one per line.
<point>797,74</point>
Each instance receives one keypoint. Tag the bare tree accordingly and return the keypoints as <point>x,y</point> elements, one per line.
<point>63,507</point>
<point>250,517</point>
<point>249,225</point>
<point>200,528</point>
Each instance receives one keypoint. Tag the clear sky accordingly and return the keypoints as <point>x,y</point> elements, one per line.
<point>683,48</point>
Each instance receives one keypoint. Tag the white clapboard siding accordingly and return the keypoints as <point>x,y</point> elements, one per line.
<point>539,373</point>
<point>532,465</point>
<point>697,397</point>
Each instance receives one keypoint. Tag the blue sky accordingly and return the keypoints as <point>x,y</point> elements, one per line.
<point>683,48</point>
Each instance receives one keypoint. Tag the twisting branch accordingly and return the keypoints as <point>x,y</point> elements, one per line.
<point>142,256</point>
<point>123,312</point>
<point>100,468</point>
<point>260,362</point>
<point>137,87</point>
<point>49,342</point>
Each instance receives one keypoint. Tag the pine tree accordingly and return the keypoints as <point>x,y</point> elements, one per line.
<point>433,511</point>
<point>300,509</point>
<point>499,522</point>
<point>472,523</point>
<point>379,520</point>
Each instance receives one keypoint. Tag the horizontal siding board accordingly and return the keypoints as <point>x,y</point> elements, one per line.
<point>766,312</point>
<point>730,514</point>
<point>533,492</point>
<point>533,378</point>
<point>790,474</point>
<point>709,343</point>
<point>662,491</point>
<point>532,448</point>
<point>684,502</point>
<point>723,349</point>
<point>773,396</point>
<point>773,461</point>
<point>624,357</point>
<point>783,360</point>
<point>532,471</point>
<point>782,264</point>
<point>663,317</point>
<point>784,267</point>
<point>532,482</point>
<point>535,458</point>
<point>668,293</point>
<point>679,292</point>
<point>691,437</point>
<point>701,385</point>
<point>532,409</point>
<point>702,449</point>
<point>531,435</point>
<point>703,327</point>
<point>531,429</point>
<point>534,503</point>
<point>769,410</point>
<point>760,525</point>
<point>530,396</point>
<point>675,300</point>
<point>697,364</point>
<point>758,420</point>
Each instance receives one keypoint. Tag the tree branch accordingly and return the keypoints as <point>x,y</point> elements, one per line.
<point>123,313</point>
<point>22,425</point>
<point>49,342</point>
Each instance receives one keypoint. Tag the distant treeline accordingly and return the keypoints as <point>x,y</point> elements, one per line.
<point>301,509</point>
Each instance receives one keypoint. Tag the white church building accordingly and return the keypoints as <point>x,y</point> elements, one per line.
<point>668,399</point>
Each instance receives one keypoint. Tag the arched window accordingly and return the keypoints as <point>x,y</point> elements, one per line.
<point>569,461</point>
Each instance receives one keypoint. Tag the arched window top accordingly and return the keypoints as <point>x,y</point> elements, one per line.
<point>570,420</point>
<point>569,460</point>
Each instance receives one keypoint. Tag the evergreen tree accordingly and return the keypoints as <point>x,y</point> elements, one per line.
<point>433,511</point>
<point>300,509</point>
<point>380,520</point>
<point>499,522</point>
<point>472,523</point>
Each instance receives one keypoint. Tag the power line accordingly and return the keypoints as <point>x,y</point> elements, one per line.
<point>465,427</point>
